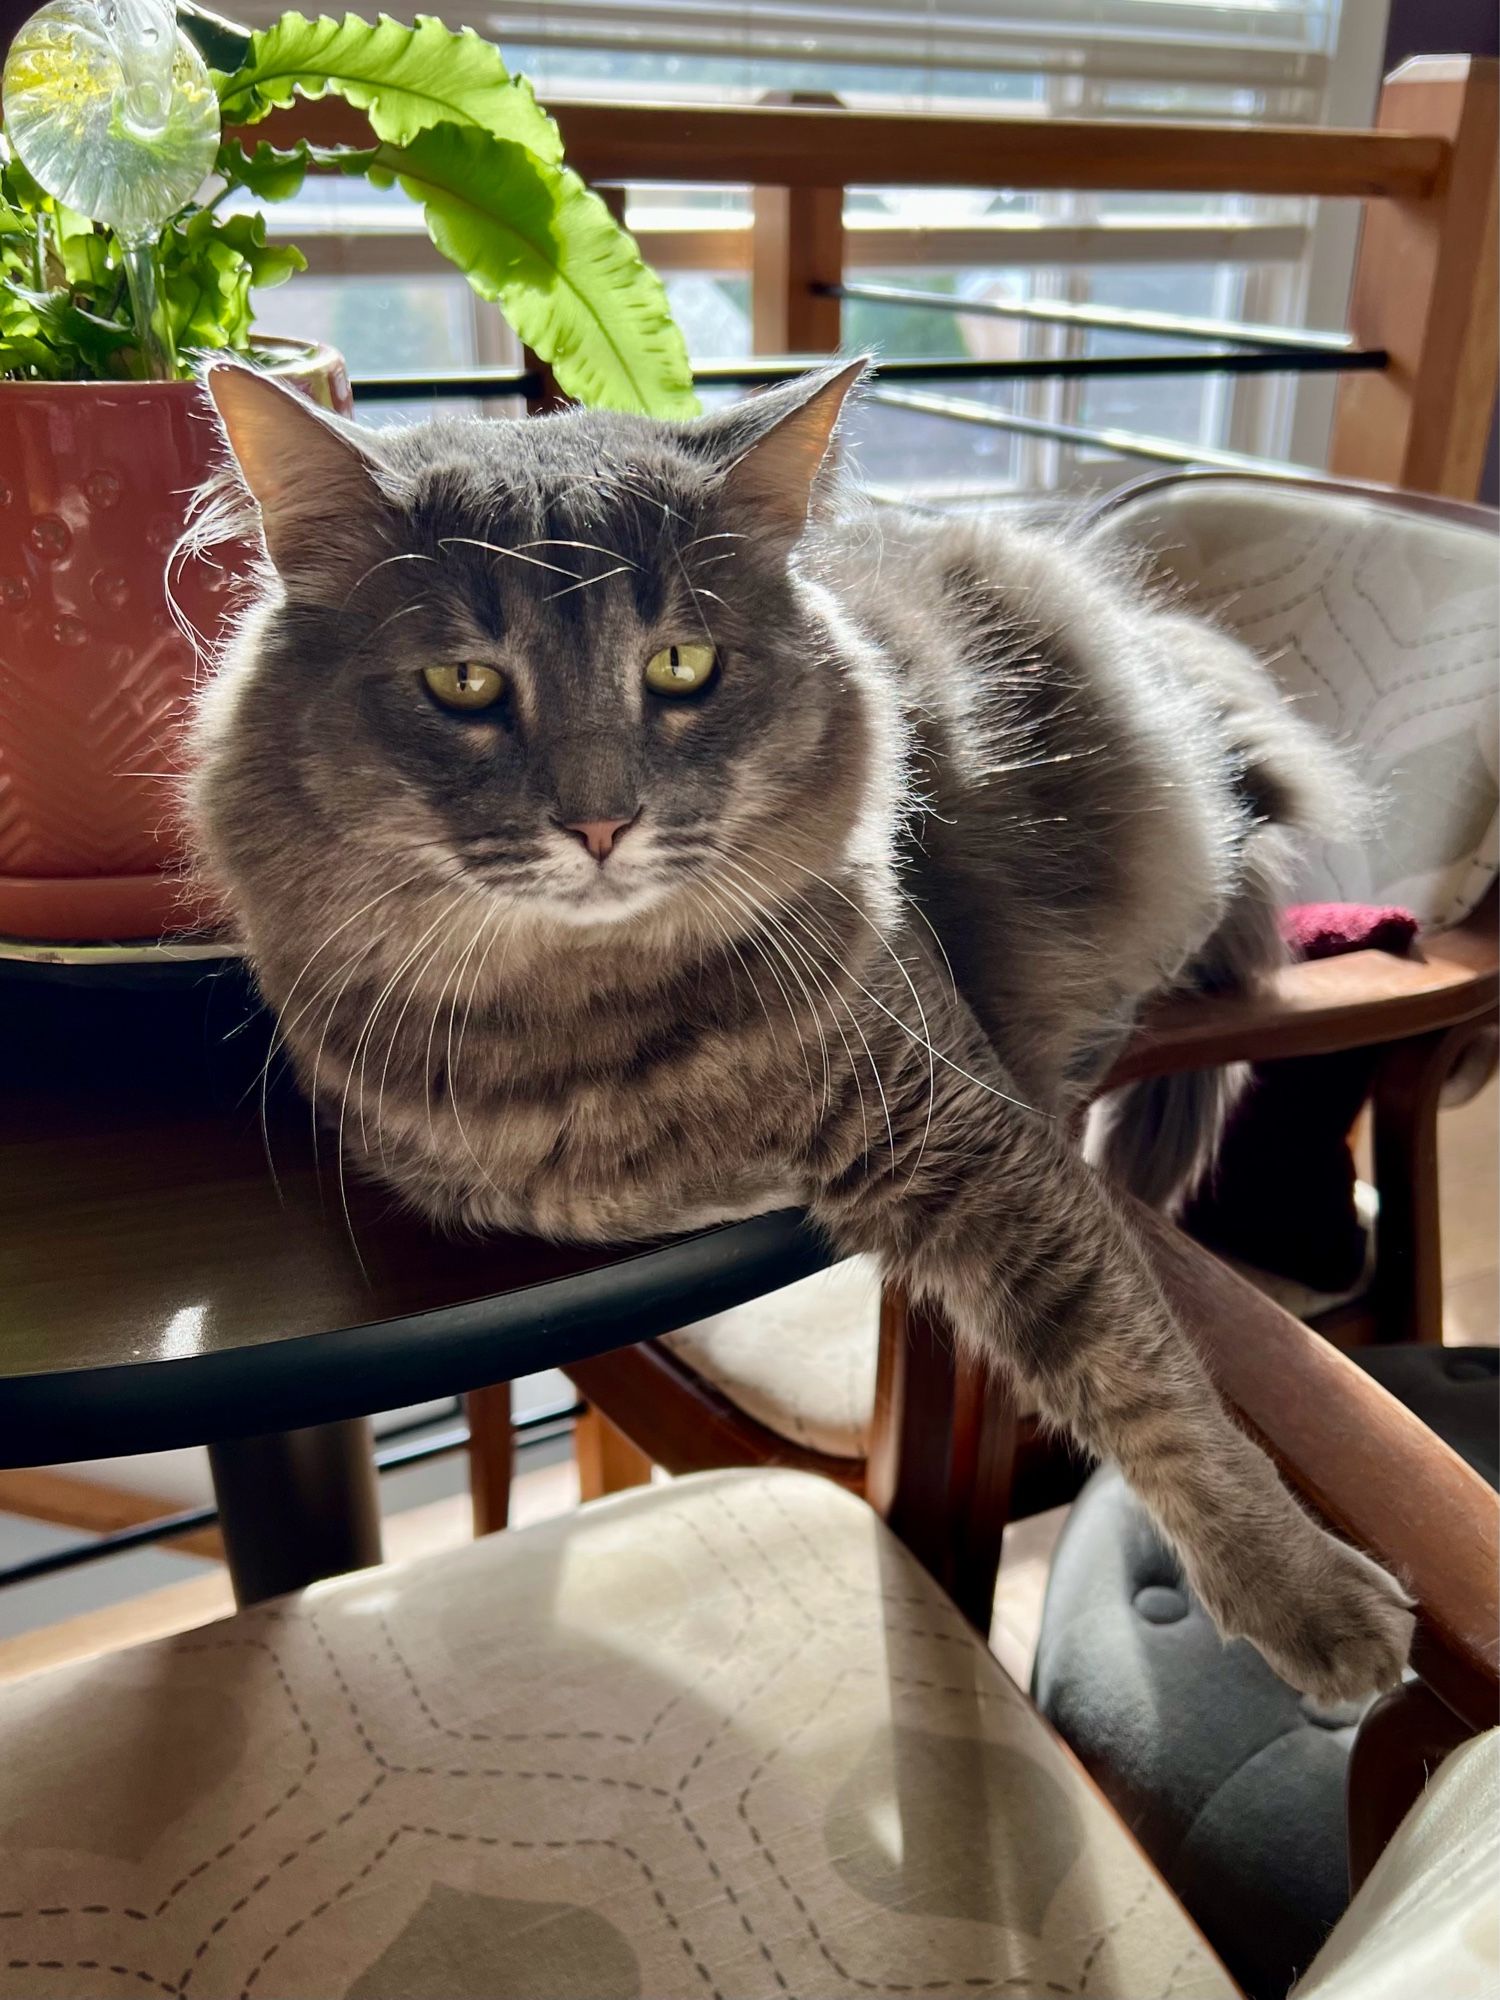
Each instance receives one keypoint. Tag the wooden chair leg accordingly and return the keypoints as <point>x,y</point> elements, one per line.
<point>942,1454</point>
<point>607,1461</point>
<point>1400,1743</point>
<point>491,1456</point>
<point>1408,1294</point>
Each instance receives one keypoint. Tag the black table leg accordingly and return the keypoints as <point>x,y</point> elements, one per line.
<point>295,1506</point>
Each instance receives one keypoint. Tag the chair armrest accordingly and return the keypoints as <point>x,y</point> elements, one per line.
<point>1371,1469</point>
<point>1364,998</point>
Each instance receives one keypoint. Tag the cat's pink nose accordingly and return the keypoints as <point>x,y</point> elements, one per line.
<point>598,835</point>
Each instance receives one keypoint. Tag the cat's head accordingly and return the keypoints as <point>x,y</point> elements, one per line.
<point>579,664</point>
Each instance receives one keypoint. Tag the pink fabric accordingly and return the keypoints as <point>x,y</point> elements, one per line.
<point>1282,1193</point>
<point>1328,930</point>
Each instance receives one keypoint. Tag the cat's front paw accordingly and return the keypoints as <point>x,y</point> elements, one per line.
<point>1328,1620</point>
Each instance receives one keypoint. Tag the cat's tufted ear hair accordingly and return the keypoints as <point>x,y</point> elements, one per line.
<point>310,474</point>
<point>772,447</point>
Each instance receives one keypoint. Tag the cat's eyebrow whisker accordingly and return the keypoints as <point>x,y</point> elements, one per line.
<point>517,555</point>
<point>725,535</point>
<point>384,563</point>
<point>420,604</point>
<point>584,582</point>
<point>554,542</point>
<point>699,591</point>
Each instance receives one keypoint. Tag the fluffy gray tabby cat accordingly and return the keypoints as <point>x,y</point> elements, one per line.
<point>593,794</point>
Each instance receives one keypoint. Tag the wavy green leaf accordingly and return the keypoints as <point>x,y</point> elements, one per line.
<point>573,284</point>
<point>406,79</point>
<point>270,173</point>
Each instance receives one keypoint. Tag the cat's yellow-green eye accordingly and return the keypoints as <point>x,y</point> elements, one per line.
<point>465,685</point>
<point>680,669</point>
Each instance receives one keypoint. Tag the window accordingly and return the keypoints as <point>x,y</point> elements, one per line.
<point>1283,261</point>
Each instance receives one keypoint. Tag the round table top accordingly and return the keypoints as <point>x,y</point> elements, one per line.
<point>161,1285</point>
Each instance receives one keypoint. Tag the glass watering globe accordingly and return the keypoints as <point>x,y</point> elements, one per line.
<point>112,111</point>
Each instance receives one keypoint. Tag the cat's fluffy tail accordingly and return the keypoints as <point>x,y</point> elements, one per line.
<point>1159,1137</point>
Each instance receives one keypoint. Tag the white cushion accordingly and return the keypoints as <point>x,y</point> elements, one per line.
<point>801,1361</point>
<point>1382,624</point>
<point>722,1737</point>
<point>1427,1919</point>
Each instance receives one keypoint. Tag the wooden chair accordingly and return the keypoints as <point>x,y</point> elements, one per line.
<point>726,1736</point>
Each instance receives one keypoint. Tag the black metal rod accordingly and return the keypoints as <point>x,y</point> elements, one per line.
<point>403,1446</point>
<point>1108,319</point>
<point>482,382</point>
<point>1126,444</point>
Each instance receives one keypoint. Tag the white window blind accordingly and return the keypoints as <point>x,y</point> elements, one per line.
<point>1236,56</point>
<point>1286,40</point>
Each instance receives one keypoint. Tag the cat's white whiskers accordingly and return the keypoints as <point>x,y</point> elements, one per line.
<point>384,563</point>
<point>556,542</point>
<point>366,1035</point>
<point>451,1060</point>
<point>584,582</point>
<point>317,1067</point>
<point>403,611</point>
<point>517,555</point>
<point>411,993</point>
<point>843,1001</point>
<point>283,1027</point>
<point>757,936</point>
<point>723,932</point>
<point>923,1040</point>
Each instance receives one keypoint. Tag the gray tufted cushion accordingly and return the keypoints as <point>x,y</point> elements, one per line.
<point>1232,1782</point>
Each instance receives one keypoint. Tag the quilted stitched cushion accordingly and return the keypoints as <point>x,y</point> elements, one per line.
<point>1383,626</point>
<point>723,1737</point>
<point>801,1361</point>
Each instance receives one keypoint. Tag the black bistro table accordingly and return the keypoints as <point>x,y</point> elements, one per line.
<point>176,1269</point>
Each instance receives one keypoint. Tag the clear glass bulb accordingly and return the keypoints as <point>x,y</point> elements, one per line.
<point>112,111</point>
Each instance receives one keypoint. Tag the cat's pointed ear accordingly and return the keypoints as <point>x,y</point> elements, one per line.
<point>306,471</point>
<point>777,444</point>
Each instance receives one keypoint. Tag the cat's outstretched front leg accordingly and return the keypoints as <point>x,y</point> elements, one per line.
<point>982,1207</point>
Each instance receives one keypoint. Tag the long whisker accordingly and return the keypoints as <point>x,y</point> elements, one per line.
<point>384,563</point>
<point>584,582</point>
<point>755,937</point>
<point>472,542</point>
<point>830,950</point>
<point>458,1122</point>
<point>726,937</point>
<point>279,1037</point>
<point>411,994</point>
<point>556,542</point>
<point>843,1001</point>
<point>922,1041</point>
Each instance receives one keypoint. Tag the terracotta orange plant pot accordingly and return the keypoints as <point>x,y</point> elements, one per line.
<point>95,482</point>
